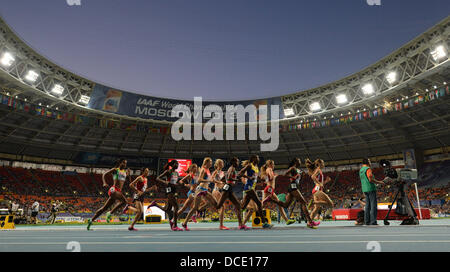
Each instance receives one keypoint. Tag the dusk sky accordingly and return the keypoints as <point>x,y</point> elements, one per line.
<point>220,50</point>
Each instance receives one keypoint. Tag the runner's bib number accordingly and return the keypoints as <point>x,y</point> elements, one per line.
<point>293,186</point>
<point>168,190</point>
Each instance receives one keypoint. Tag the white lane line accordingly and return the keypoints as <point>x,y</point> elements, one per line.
<point>237,242</point>
<point>231,236</point>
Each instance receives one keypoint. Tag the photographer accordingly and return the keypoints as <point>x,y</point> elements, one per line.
<point>370,191</point>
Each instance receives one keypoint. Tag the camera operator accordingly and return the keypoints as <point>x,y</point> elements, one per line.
<point>369,189</point>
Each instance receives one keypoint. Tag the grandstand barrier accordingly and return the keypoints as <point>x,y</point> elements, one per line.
<point>256,220</point>
<point>153,219</point>
<point>6,220</point>
<point>351,214</point>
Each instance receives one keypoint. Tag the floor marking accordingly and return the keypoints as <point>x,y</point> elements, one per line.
<point>230,242</point>
<point>231,236</point>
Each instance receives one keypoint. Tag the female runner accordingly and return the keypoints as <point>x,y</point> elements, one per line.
<point>251,207</point>
<point>269,192</point>
<point>295,174</point>
<point>227,192</point>
<point>119,175</point>
<point>250,168</point>
<point>171,176</point>
<point>192,178</point>
<point>139,185</point>
<point>320,198</point>
<point>202,190</point>
<point>217,177</point>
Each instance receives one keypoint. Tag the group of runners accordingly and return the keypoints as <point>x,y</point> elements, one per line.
<point>201,197</point>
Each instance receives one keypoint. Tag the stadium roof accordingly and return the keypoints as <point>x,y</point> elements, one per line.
<point>419,65</point>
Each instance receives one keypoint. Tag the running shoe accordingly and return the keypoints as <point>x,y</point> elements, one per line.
<point>267,226</point>
<point>132,229</point>
<point>311,225</point>
<point>290,222</point>
<point>316,223</point>
<point>185,227</point>
<point>89,224</point>
<point>224,228</point>
<point>244,227</point>
<point>194,219</point>
<point>177,229</point>
<point>171,224</point>
<point>108,217</point>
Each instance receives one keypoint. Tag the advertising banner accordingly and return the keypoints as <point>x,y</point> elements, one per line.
<point>106,159</point>
<point>156,108</point>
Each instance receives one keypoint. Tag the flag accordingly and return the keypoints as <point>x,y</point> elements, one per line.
<point>405,105</point>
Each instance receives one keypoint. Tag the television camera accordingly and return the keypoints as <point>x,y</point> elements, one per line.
<point>400,178</point>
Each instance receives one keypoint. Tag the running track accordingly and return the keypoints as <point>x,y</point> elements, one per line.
<point>430,236</point>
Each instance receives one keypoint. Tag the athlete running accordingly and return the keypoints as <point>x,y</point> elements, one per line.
<point>192,179</point>
<point>171,176</point>
<point>119,175</point>
<point>268,175</point>
<point>294,173</point>
<point>201,191</point>
<point>139,186</point>
<point>316,174</point>
<point>227,192</point>
<point>250,172</point>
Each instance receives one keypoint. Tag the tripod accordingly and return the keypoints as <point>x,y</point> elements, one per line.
<point>404,206</point>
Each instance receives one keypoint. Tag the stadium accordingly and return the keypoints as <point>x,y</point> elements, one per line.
<point>60,132</point>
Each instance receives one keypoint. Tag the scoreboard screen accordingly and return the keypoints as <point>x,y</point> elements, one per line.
<point>183,165</point>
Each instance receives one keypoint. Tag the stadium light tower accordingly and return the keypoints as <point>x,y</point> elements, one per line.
<point>7,59</point>
<point>289,112</point>
<point>368,89</point>
<point>439,53</point>
<point>341,99</point>
<point>31,76</point>
<point>391,77</point>
<point>84,99</point>
<point>315,106</point>
<point>58,89</point>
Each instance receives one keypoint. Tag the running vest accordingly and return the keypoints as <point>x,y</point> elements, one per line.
<point>252,173</point>
<point>194,180</point>
<point>218,177</point>
<point>299,176</point>
<point>173,178</point>
<point>232,177</point>
<point>207,175</point>
<point>142,185</point>
<point>120,175</point>
<point>320,178</point>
